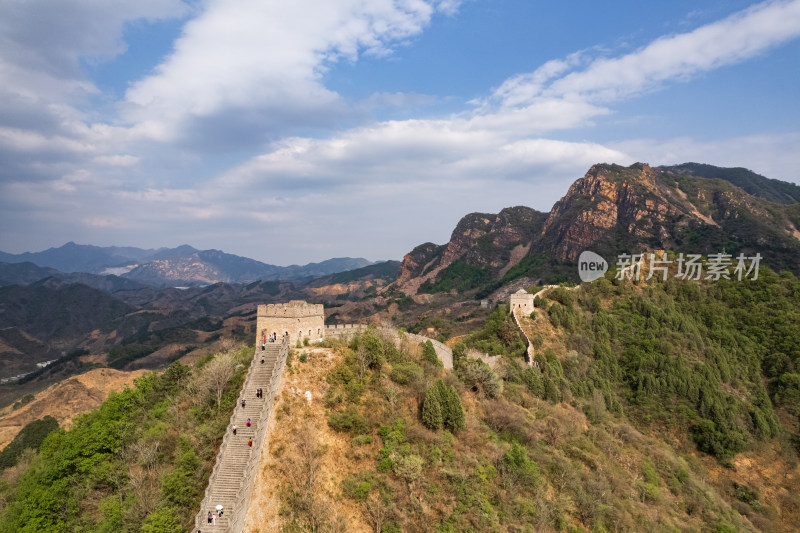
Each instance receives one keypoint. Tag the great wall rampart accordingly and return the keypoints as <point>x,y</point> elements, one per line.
<point>278,326</point>
<point>521,306</point>
<point>231,481</point>
<point>296,318</point>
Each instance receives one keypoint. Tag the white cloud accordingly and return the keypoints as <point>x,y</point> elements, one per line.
<point>399,159</point>
<point>268,57</point>
<point>116,160</point>
<point>251,71</point>
<point>673,57</point>
<point>45,93</point>
<point>43,43</point>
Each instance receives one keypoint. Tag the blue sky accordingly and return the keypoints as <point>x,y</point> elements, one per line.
<point>296,131</point>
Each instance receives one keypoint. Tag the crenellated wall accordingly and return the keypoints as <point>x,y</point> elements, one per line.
<point>297,319</point>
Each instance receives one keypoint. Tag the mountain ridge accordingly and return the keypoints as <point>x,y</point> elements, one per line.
<point>183,265</point>
<point>613,209</point>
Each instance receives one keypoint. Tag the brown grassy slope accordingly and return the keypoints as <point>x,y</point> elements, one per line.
<point>592,471</point>
<point>66,400</point>
<point>294,422</point>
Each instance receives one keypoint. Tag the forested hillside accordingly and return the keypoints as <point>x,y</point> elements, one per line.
<point>669,406</point>
<point>660,406</point>
<point>138,463</point>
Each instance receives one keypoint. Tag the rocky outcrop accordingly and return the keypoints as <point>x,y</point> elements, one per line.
<point>615,209</point>
<point>485,240</point>
<point>417,262</point>
<point>610,201</point>
<point>481,240</point>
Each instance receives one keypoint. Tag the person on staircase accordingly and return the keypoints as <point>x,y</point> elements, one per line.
<point>250,442</point>
<point>234,430</point>
<point>248,422</point>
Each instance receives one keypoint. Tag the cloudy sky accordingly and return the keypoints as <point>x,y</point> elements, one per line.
<point>294,131</point>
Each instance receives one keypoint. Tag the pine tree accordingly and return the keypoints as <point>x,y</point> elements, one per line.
<point>432,409</point>
<point>429,354</point>
<point>455,419</point>
<point>452,411</point>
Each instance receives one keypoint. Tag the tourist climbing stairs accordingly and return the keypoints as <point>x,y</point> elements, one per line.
<point>230,484</point>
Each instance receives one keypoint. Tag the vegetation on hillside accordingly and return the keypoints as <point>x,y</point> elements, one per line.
<point>640,389</point>
<point>138,463</point>
<point>29,438</point>
<point>633,381</point>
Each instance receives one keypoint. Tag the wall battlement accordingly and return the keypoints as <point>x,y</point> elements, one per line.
<point>521,301</point>
<point>297,319</point>
<point>292,309</point>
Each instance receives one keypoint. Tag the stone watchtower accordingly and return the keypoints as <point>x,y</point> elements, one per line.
<point>297,319</point>
<point>521,301</point>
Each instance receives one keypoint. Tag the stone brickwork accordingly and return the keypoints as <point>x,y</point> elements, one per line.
<point>231,481</point>
<point>521,301</point>
<point>297,319</point>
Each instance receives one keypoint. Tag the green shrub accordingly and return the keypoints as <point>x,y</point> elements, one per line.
<point>372,342</point>
<point>162,520</point>
<point>356,488</point>
<point>432,410</point>
<point>408,467</point>
<point>453,416</point>
<point>648,492</point>
<point>349,421</point>
<point>405,373</point>
<point>442,408</point>
<point>30,436</point>
<point>521,468</point>
<point>787,392</point>
<point>532,378</point>
<point>459,353</point>
<point>723,443</point>
<point>746,494</point>
<point>480,378</point>
<point>563,296</point>
<point>340,374</point>
<point>429,354</point>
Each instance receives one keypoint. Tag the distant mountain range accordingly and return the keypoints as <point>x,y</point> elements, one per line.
<point>181,266</point>
<point>174,298</point>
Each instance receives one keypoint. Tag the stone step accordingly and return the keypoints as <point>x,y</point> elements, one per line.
<point>233,464</point>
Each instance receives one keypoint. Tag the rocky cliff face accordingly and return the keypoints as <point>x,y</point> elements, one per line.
<point>415,263</point>
<point>614,209</point>
<point>484,240</point>
<point>613,205</point>
<point>493,242</point>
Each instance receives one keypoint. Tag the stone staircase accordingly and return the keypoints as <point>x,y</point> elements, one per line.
<point>230,484</point>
